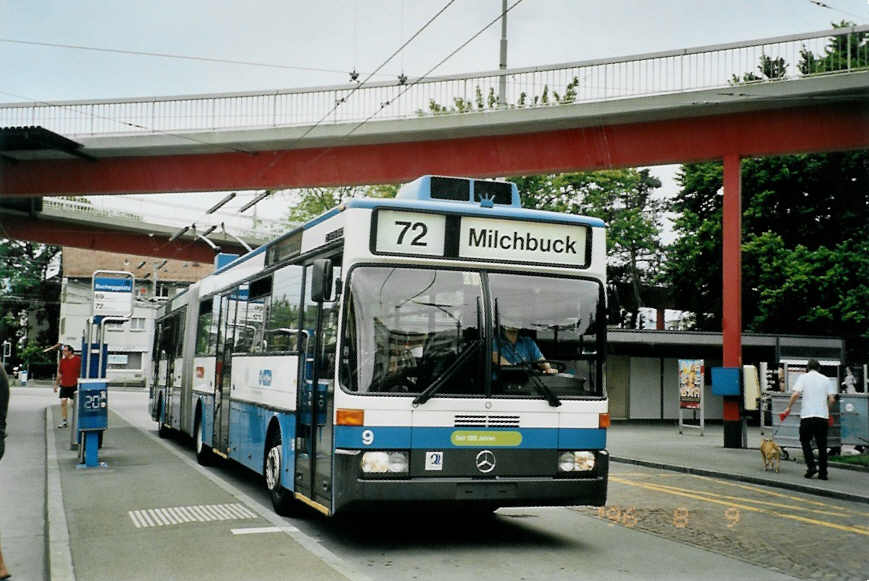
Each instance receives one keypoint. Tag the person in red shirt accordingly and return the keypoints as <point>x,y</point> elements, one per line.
<point>67,379</point>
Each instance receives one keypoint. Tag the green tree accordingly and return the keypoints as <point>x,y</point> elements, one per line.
<point>311,202</point>
<point>805,228</point>
<point>26,298</point>
<point>624,200</point>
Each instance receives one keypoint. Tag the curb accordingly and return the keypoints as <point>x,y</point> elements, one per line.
<point>745,478</point>
<point>57,549</point>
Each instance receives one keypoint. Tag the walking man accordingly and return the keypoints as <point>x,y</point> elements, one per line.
<point>818,394</point>
<point>67,379</point>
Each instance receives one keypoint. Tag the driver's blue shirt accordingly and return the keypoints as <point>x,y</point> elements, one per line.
<point>525,350</point>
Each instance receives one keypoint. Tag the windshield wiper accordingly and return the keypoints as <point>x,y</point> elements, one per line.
<point>541,387</point>
<point>448,373</point>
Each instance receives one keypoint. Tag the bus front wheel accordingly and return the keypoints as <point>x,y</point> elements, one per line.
<point>282,499</point>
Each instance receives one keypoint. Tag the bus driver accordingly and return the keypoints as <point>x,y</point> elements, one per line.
<point>512,349</point>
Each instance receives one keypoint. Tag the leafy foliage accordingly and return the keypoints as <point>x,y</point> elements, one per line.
<point>624,200</point>
<point>805,224</point>
<point>311,202</point>
<point>26,300</point>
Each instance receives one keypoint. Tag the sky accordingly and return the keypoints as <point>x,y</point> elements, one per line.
<point>318,43</point>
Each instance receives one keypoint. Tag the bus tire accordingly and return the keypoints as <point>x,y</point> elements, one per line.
<point>282,499</point>
<point>162,429</point>
<point>203,450</point>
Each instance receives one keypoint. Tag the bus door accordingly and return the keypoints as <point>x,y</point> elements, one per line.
<point>223,374</point>
<point>314,417</point>
<point>174,367</point>
<point>157,378</point>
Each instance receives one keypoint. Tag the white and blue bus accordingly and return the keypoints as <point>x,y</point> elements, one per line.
<point>442,348</point>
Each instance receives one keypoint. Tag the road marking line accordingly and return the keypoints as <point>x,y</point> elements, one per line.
<point>153,514</point>
<point>175,515</point>
<point>743,499</point>
<point>261,530</point>
<point>779,494</point>
<point>314,546</point>
<point>749,508</point>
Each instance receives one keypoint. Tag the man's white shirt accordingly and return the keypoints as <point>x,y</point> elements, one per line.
<point>815,388</point>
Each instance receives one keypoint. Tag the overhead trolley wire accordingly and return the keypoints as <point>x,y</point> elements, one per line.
<point>418,80</point>
<point>344,99</point>
<point>171,56</point>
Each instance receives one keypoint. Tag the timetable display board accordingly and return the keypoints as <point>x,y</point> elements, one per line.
<point>113,297</point>
<point>479,238</point>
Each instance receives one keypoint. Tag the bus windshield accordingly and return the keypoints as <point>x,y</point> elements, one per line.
<point>409,329</point>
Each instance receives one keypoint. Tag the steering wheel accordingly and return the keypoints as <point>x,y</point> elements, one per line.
<point>535,365</point>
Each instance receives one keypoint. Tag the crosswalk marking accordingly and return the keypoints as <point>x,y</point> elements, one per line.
<point>175,515</point>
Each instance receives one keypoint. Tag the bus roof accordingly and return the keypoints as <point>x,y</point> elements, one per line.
<point>444,194</point>
<point>471,209</point>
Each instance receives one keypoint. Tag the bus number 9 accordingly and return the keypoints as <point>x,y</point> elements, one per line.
<point>419,227</point>
<point>367,437</point>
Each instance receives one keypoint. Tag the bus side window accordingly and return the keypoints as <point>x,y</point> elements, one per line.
<point>257,307</point>
<point>282,312</point>
<point>329,337</point>
<point>206,328</point>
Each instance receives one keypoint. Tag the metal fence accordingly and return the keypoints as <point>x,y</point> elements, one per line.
<point>694,69</point>
<point>247,227</point>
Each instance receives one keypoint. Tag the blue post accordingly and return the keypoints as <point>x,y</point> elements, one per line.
<point>93,412</point>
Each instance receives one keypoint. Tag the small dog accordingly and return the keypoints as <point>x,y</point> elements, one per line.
<point>771,454</point>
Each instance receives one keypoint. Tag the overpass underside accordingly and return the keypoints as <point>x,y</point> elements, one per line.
<point>807,115</point>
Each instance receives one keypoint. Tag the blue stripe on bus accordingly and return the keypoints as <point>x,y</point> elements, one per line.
<point>392,437</point>
<point>470,209</point>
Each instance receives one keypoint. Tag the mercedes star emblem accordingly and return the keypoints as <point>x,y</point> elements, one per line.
<point>485,461</point>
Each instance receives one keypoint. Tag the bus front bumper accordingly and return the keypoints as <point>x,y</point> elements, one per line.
<point>358,493</point>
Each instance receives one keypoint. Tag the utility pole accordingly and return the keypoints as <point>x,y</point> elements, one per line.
<point>502,81</point>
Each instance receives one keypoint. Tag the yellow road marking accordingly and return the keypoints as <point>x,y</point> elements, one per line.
<point>781,495</point>
<point>776,504</point>
<point>757,489</point>
<point>659,488</point>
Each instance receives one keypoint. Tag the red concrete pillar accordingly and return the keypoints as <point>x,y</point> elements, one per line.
<point>659,321</point>
<point>731,316</point>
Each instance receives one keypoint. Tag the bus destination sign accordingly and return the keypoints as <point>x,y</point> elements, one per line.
<point>471,237</point>
<point>515,241</point>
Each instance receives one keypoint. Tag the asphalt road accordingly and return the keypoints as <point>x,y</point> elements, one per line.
<point>657,525</point>
<point>536,543</point>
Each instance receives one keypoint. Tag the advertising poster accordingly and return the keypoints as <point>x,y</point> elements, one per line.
<point>690,383</point>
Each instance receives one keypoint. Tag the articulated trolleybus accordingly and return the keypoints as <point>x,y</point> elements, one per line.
<point>445,348</point>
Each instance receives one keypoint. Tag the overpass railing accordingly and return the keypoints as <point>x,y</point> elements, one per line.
<point>706,67</point>
<point>246,227</point>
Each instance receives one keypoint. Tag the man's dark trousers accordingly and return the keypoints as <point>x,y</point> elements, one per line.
<point>814,428</point>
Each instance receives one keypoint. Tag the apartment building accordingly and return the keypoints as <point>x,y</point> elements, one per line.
<point>129,343</point>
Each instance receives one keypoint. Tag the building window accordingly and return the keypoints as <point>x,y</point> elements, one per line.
<point>137,324</point>
<point>114,325</point>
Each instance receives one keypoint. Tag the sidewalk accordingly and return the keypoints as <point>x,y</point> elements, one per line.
<point>155,514</point>
<point>661,446</point>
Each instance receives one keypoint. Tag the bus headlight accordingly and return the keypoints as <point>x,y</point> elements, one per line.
<point>576,461</point>
<point>381,462</point>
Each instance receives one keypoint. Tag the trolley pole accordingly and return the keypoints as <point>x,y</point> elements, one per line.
<point>502,66</point>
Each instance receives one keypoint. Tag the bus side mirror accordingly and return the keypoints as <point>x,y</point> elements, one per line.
<point>321,280</point>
